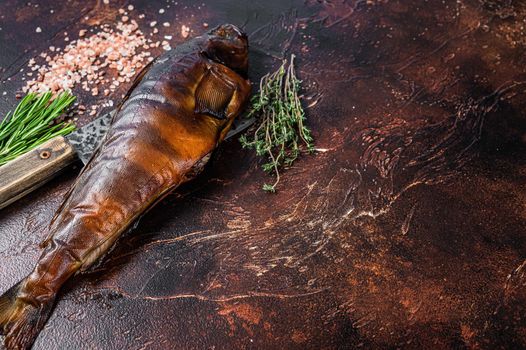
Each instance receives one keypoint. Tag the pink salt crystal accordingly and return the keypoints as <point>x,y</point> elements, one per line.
<point>185,31</point>
<point>113,56</point>
<point>84,60</point>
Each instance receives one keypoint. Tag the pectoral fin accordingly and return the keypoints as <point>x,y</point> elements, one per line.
<point>213,94</point>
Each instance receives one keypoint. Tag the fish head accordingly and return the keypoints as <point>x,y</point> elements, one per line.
<point>228,45</point>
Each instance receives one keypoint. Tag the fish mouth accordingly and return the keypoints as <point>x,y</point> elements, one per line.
<point>228,45</point>
<point>229,32</point>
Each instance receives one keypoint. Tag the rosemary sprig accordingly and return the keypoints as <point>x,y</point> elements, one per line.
<point>281,132</point>
<point>32,123</point>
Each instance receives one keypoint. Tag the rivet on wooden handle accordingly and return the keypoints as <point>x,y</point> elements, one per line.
<point>33,169</point>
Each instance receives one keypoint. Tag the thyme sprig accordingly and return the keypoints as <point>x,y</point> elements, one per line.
<point>33,123</point>
<point>282,133</point>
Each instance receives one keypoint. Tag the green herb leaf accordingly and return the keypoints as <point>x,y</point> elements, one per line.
<point>32,123</point>
<point>281,133</point>
<point>269,188</point>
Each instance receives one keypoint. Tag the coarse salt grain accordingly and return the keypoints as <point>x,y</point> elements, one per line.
<point>83,61</point>
<point>185,31</point>
<point>38,30</point>
<point>166,24</point>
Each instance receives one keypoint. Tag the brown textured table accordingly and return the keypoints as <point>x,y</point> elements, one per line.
<point>406,230</point>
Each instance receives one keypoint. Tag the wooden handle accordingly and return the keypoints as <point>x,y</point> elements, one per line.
<point>33,169</point>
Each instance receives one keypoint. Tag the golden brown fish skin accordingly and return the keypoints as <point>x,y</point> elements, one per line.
<point>159,134</point>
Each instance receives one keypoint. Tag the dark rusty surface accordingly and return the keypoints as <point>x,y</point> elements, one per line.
<point>407,229</point>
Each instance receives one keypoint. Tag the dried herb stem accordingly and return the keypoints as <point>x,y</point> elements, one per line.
<point>281,134</point>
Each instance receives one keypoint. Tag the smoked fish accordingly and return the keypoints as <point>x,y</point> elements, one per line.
<point>177,112</point>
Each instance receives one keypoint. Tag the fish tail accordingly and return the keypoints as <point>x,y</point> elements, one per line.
<point>20,320</point>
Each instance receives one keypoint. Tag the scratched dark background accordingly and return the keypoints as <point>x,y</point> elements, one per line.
<point>405,230</point>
